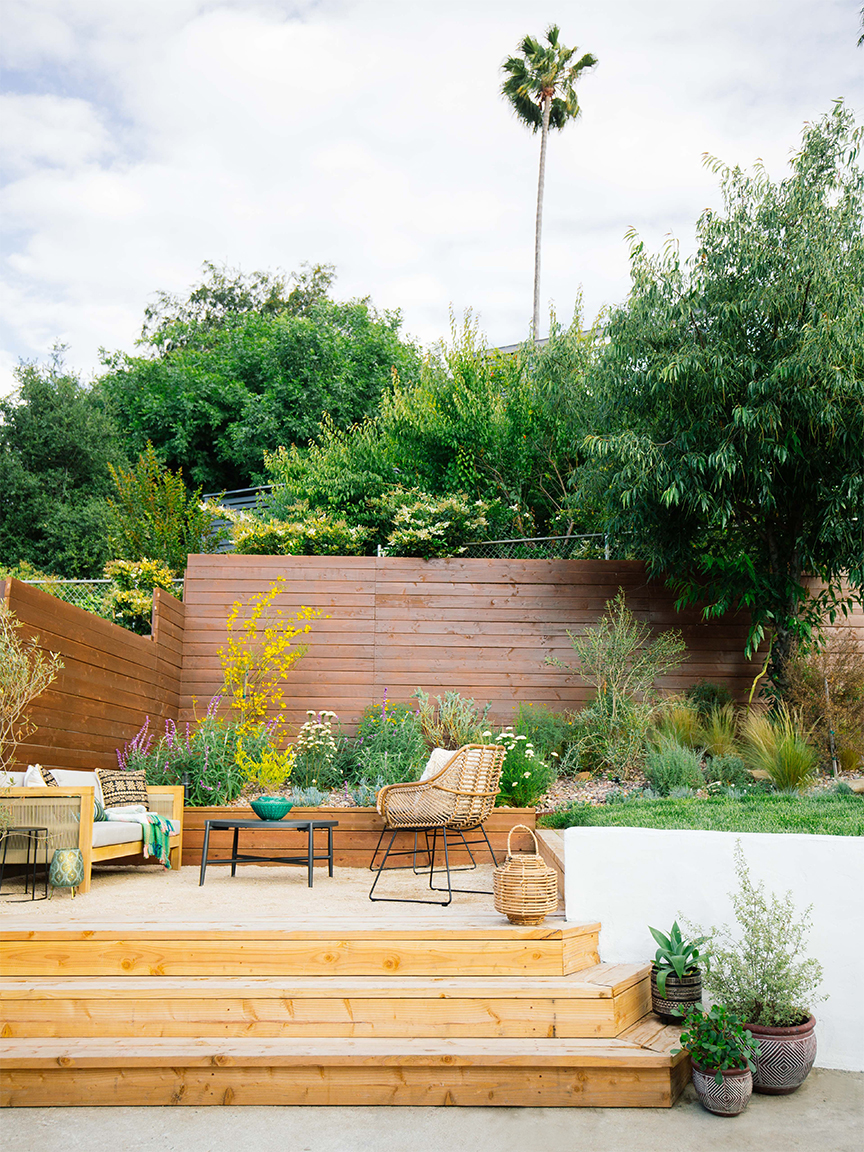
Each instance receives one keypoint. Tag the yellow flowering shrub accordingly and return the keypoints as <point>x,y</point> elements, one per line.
<point>259,653</point>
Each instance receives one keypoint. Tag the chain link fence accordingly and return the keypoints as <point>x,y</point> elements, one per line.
<point>594,546</point>
<point>91,595</point>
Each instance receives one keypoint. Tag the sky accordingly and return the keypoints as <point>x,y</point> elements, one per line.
<point>143,137</point>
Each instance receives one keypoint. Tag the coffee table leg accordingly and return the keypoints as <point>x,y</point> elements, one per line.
<point>234,852</point>
<point>311,833</point>
<point>330,850</point>
<point>204,852</point>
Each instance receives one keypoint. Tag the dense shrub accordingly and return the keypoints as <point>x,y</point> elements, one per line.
<point>452,720</point>
<point>130,600</point>
<point>389,745</point>
<point>727,769</point>
<point>548,731</point>
<point>670,765</point>
<point>525,776</point>
<point>704,696</point>
<point>622,660</point>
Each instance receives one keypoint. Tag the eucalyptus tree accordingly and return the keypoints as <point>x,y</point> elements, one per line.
<point>734,398</point>
<point>541,87</point>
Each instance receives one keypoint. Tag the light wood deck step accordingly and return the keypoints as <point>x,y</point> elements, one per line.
<point>325,948</point>
<point>599,1001</point>
<point>635,1070</point>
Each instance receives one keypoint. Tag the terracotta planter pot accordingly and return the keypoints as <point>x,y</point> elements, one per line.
<point>786,1057</point>
<point>728,1098</point>
<point>681,994</point>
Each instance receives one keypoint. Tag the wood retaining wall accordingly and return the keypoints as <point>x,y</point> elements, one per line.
<point>353,841</point>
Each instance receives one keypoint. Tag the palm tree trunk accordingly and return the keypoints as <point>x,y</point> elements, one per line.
<point>538,227</point>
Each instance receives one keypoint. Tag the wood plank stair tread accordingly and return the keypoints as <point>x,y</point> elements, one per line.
<point>602,981</point>
<point>120,1052</point>
<point>132,929</point>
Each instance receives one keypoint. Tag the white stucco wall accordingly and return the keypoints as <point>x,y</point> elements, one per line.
<point>628,878</point>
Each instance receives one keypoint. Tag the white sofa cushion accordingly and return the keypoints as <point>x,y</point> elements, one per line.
<point>108,832</point>
<point>69,779</point>
<point>12,779</point>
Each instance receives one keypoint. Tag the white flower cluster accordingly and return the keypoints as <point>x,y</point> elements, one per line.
<point>316,735</point>
<point>510,741</point>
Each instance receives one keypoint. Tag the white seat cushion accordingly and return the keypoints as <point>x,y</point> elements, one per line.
<point>114,832</point>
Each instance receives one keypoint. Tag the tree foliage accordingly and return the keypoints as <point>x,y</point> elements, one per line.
<point>245,364</point>
<point>732,394</point>
<point>56,441</point>
<point>502,429</point>
<point>155,518</point>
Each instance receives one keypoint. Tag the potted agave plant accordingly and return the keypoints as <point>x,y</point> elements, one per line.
<point>762,973</point>
<point>722,1051</point>
<point>676,978</point>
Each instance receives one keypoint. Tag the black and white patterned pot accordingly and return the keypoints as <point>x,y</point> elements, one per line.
<point>728,1098</point>
<point>681,994</point>
<point>785,1057</point>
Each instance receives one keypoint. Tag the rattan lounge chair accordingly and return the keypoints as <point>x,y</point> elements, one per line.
<point>457,799</point>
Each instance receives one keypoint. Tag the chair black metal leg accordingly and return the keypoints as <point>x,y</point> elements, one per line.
<point>409,852</point>
<point>377,849</point>
<point>468,868</point>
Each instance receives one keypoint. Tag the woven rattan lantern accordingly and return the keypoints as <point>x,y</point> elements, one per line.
<point>525,887</point>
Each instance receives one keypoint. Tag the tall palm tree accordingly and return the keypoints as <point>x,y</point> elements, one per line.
<point>540,86</point>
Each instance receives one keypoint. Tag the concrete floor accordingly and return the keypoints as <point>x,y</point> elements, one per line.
<point>825,1115</point>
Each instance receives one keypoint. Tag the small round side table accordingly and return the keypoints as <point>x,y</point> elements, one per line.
<point>35,838</point>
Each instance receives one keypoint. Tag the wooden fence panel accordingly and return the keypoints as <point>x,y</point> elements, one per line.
<point>111,680</point>
<point>480,627</point>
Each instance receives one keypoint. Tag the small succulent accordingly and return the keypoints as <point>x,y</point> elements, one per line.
<point>675,955</point>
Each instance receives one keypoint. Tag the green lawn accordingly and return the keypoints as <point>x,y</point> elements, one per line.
<point>828,815</point>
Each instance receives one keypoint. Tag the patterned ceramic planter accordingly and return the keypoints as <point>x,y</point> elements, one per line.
<point>681,994</point>
<point>728,1098</point>
<point>785,1057</point>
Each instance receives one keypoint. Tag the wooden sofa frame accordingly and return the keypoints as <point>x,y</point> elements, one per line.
<point>67,813</point>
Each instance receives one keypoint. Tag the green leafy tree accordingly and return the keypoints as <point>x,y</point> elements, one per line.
<point>56,442</point>
<point>155,518</point>
<point>734,398</point>
<point>245,364</point>
<point>502,429</point>
<point>541,88</point>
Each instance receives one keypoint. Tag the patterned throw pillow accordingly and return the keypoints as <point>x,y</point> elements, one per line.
<point>48,777</point>
<point>120,789</point>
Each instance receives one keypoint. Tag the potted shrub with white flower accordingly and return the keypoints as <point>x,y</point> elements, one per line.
<point>762,973</point>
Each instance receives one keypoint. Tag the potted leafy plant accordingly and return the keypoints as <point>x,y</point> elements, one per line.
<point>762,973</point>
<point>676,979</point>
<point>722,1051</point>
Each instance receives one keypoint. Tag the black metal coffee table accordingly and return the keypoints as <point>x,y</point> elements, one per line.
<point>307,826</point>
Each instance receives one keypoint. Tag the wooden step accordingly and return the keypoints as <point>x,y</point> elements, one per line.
<point>600,1001</point>
<point>627,1072</point>
<point>326,948</point>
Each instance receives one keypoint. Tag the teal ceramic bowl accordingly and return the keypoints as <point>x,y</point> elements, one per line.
<point>271,807</point>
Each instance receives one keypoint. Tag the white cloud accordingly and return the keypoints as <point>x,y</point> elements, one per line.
<point>150,135</point>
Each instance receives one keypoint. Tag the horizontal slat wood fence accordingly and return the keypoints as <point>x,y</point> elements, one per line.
<point>111,679</point>
<point>479,627</point>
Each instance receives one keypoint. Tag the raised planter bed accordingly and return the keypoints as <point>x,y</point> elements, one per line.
<point>355,839</point>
